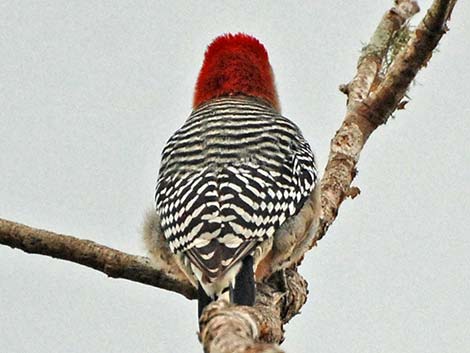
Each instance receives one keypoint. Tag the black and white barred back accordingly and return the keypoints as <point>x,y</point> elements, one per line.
<point>229,178</point>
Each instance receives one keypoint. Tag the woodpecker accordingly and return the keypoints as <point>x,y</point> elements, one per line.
<point>233,175</point>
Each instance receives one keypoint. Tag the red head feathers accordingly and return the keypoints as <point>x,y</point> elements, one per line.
<point>236,64</point>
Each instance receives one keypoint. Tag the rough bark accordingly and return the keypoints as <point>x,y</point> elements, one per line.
<point>226,328</point>
<point>114,263</point>
<point>373,94</point>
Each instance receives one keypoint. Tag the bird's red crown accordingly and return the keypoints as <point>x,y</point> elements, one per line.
<point>236,64</point>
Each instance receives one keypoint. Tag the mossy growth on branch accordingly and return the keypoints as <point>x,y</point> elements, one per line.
<point>397,43</point>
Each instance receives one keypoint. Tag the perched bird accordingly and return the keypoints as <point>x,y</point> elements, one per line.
<point>233,175</point>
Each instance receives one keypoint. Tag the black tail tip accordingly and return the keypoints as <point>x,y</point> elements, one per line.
<point>244,292</point>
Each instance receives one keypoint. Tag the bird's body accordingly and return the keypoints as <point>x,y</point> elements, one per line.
<point>233,174</point>
<point>229,178</point>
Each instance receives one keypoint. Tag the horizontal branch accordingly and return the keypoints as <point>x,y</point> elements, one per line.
<point>114,263</point>
<point>221,323</point>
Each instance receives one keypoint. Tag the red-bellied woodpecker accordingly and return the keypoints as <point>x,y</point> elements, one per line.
<point>233,174</point>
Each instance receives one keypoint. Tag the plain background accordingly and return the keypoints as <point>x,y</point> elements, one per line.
<point>91,90</point>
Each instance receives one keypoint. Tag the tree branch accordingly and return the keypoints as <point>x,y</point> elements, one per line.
<point>226,328</point>
<point>373,98</point>
<point>114,263</point>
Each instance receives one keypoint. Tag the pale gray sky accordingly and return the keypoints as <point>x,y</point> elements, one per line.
<point>91,90</point>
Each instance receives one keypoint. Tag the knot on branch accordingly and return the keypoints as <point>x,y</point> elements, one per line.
<point>235,329</point>
<point>295,296</point>
<point>353,192</point>
<point>288,289</point>
<point>216,314</point>
<point>344,88</point>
